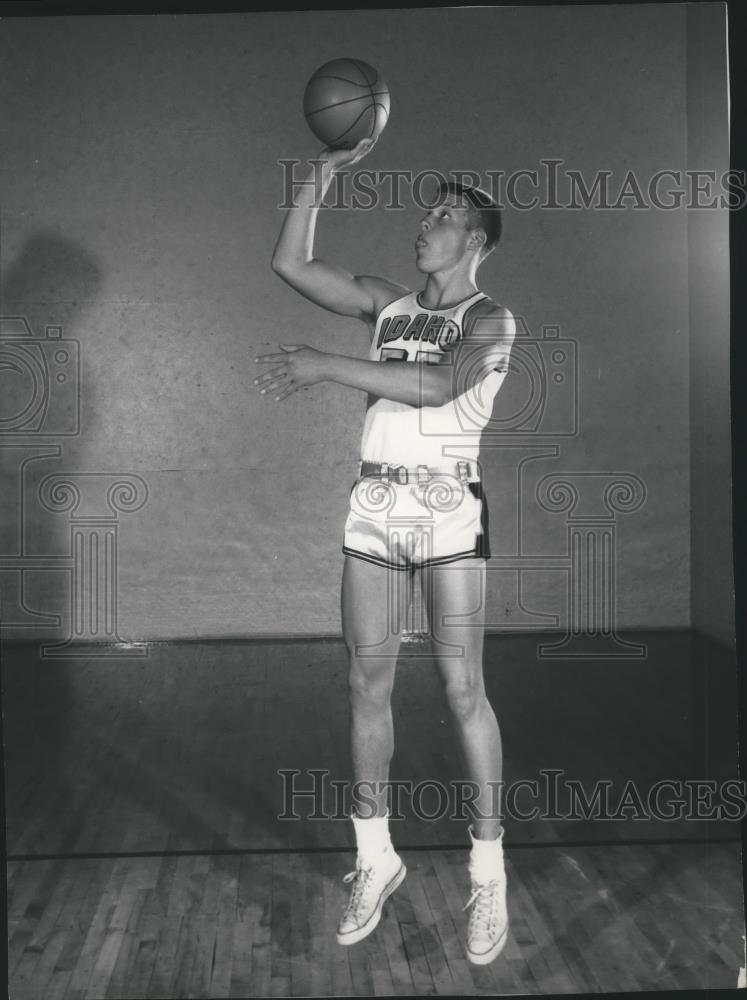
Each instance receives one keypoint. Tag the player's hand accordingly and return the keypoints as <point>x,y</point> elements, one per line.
<point>296,368</point>
<point>340,158</point>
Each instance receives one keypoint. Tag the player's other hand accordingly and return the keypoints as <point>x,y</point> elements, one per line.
<point>297,367</point>
<point>340,158</point>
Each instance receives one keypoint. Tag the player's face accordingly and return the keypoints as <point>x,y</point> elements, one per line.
<point>443,238</point>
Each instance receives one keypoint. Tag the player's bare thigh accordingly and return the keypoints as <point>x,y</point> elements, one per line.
<point>374,604</point>
<point>454,595</point>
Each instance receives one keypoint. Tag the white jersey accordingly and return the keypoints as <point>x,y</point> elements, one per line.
<point>401,434</point>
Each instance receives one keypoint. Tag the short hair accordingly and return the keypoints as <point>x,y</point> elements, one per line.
<point>483,212</point>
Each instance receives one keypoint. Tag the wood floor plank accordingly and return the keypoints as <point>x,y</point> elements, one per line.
<point>58,986</point>
<point>629,889</point>
<point>280,937</point>
<point>319,931</point>
<point>71,874</point>
<point>144,950</point>
<point>44,968</point>
<point>694,905</point>
<point>32,874</point>
<point>186,949</point>
<point>260,885</point>
<point>110,971</point>
<point>455,894</point>
<point>595,913</point>
<point>535,938</point>
<point>442,915</point>
<point>220,980</point>
<point>157,900</point>
<point>360,970</point>
<point>79,911</point>
<point>304,911</point>
<point>413,952</point>
<point>378,965</point>
<point>430,932</point>
<point>245,920</point>
<point>334,867</point>
<point>122,975</point>
<point>24,945</point>
<point>163,965</point>
<point>206,926</point>
<point>170,895</point>
<point>670,937</point>
<point>561,909</point>
<point>97,934</point>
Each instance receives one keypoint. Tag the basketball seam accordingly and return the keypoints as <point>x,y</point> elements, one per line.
<point>360,64</point>
<point>355,122</point>
<point>373,101</point>
<point>339,104</point>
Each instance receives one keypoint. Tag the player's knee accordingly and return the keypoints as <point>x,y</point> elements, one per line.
<point>369,685</point>
<point>465,696</point>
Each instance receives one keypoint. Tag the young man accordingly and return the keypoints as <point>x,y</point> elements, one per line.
<point>415,508</point>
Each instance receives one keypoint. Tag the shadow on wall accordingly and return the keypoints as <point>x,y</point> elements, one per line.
<point>43,294</point>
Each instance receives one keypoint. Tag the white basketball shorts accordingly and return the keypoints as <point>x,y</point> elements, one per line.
<point>431,518</point>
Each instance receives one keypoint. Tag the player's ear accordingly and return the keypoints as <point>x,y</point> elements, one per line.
<point>477,240</point>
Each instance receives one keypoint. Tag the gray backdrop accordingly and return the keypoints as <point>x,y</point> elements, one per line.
<point>140,192</point>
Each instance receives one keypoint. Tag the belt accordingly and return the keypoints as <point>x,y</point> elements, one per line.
<point>466,471</point>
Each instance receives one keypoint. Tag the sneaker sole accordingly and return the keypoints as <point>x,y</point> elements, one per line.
<point>354,936</point>
<point>486,957</point>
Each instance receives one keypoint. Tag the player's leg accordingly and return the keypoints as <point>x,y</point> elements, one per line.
<point>374,604</point>
<point>455,601</point>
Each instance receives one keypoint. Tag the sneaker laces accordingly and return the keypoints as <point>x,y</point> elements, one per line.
<point>484,912</point>
<point>361,878</point>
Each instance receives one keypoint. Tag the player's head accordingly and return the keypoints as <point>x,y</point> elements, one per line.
<point>463,223</point>
<point>482,212</point>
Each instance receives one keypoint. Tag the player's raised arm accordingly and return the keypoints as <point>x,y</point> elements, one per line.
<point>327,285</point>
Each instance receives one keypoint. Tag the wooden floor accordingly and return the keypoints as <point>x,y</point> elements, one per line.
<point>592,919</point>
<point>147,856</point>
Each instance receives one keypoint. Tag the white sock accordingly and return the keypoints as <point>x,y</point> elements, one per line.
<point>486,858</point>
<point>372,835</point>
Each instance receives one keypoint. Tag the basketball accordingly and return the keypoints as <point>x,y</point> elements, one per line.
<point>346,100</point>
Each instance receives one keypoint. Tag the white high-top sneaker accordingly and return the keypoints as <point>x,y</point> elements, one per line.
<point>376,876</point>
<point>488,921</point>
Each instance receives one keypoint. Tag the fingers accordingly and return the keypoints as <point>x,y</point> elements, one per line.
<point>286,392</point>
<point>270,376</point>
<point>269,358</point>
<point>268,385</point>
<point>340,157</point>
<point>278,381</point>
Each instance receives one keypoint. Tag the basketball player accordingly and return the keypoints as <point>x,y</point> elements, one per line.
<point>413,509</point>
